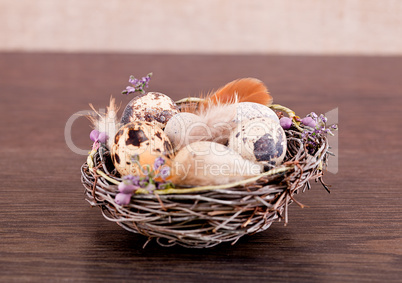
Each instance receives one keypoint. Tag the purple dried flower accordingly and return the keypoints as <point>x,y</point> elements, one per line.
<point>130,89</point>
<point>132,80</point>
<point>323,118</point>
<point>165,172</point>
<point>150,187</point>
<point>138,85</point>
<point>318,123</point>
<point>133,179</point>
<point>159,161</point>
<point>313,115</point>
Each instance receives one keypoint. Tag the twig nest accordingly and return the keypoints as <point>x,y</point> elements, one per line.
<point>137,145</point>
<point>211,191</point>
<point>259,139</point>
<point>153,107</point>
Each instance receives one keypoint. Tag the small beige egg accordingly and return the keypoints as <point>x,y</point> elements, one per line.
<point>260,139</point>
<point>153,107</point>
<point>141,141</point>
<point>250,110</point>
<point>185,128</point>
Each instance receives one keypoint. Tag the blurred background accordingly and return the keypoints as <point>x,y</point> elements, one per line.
<point>327,27</point>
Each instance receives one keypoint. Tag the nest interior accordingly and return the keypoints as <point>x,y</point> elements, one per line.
<point>212,216</point>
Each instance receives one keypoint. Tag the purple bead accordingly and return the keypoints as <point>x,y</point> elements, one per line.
<point>94,135</point>
<point>102,138</point>
<point>309,122</point>
<point>285,123</point>
<point>122,199</point>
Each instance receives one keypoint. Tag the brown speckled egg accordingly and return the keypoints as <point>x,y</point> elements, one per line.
<point>142,140</point>
<point>153,107</point>
<point>259,139</point>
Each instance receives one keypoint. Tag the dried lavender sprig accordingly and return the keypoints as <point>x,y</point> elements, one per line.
<point>311,133</point>
<point>137,85</point>
<point>131,184</point>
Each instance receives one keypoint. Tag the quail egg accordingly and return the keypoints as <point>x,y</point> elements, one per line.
<point>260,139</point>
<point>250,110</point>
<point>138,144</point>
<point>153,107</point>
<point>185,128</point>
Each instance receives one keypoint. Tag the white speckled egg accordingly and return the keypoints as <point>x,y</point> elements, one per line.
<point>181,127</point>
<point>153,107</point>
<point>250,110</point>
<point>142,140</point>
<point>259,139</point>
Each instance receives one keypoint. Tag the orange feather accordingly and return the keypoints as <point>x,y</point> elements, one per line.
<point>246,90</point>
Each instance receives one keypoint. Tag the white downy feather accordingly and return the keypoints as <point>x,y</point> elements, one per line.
<point>220,120</point>
<point>107,122</point>
<point>207,163</point>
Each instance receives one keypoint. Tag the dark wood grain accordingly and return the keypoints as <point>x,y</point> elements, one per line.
<point>48,232</point>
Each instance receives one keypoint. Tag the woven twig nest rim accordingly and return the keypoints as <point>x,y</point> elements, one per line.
<point>201,217</point>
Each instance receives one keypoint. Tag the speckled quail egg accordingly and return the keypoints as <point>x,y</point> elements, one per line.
<point>139,141</point>
<point>153,107</point>
<point>260,139</point>
<point>185,128</point>
<point>250,110</point>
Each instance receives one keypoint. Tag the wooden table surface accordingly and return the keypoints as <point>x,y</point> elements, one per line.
<point>48,232</point>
